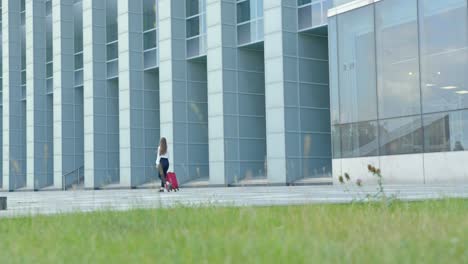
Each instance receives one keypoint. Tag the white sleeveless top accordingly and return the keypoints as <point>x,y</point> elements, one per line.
<point>164,156</point>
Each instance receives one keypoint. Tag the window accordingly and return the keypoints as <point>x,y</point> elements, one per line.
<point>356,56</point>
<point>397,58</point>
<point>112,39</point>
<point>444,54</point>
<point>401,136</point>
<point>78,42</point>
<point>150,33</point>
<point>196,27</point>
<point>446,131</point>
<point>249,21</point>
<point>359,140</point>
<point>312,13</point>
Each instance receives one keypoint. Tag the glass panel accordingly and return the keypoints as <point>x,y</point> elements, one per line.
<point>112,69</point>
<point>259,31</point>
<point>193,47</point>
<point>112,51</point>
<point>149,40</point>
<point>50,85</point>
<point>243,34</point>
<point>149,14</point>
<point>23,92</point>
<point>397,58</point>
<point>303,2</point>
<point>444,54</point>
<point>336,142</point>
<point>23,77</point>
<point>259,8</point>
<point>192,8</point>
<point>243,11</point>
<point>151,58</point>
<point>78,77</point>
<point>193,27</point>
<point>446,131</point>
<point>401,136</point>
<point>111,20</point>
<point>357,79</point>
<point>305,17</point>
<point>359,140</point>
<point>316,14</point>
<point>78,26</point>
<point>49,69</point>
<point>48,7</point>
<point>78,61</point>
<point>49,40</point>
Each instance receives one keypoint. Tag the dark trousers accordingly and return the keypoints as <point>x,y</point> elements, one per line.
<point>164,163</point>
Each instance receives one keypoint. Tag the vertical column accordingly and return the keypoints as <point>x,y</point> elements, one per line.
<point>13,151</point>
<point>36,95</point>
<point>297,97</point>
<point>63,99</point>
<point>94,83</point>
<point>218,24</point>
<point>275,91</point>
<point>131,97</point>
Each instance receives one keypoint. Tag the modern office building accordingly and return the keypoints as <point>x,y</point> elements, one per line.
<point>246,91</point>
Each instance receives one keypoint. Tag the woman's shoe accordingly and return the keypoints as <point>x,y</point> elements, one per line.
<point>161,189</point>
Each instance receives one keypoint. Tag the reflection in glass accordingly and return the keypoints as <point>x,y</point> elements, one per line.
<point>112,44</point>
<point>444,54</point>
<point>400,136</point>
<point>397,58</point>
<point>195,28</point>
<point>336,141</point>
<point>357,77</point>
<point>150,33</point>
<point>249,21</point>
<point>446,131</point>
<point>312,14</point>
<point>359,140</point>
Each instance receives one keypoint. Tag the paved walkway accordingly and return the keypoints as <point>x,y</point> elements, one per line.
<point>52,202</point>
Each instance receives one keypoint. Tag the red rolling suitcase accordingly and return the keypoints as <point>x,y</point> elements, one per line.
<point>172,179</point>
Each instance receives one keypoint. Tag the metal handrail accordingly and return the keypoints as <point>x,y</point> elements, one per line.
<point>77,173</point>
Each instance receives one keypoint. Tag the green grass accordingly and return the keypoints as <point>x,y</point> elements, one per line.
<point>419,232</point>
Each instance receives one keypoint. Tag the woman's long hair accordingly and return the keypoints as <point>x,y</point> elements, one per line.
<point>162,146</point>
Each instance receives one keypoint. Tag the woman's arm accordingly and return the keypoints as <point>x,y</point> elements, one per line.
<point>157,158</point>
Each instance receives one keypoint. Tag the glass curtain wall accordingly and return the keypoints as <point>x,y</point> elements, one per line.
<point>404,88</point>
<point>150,34</point>
<point>312,13</point>
<point>195,13</point>
<point>249,21</point>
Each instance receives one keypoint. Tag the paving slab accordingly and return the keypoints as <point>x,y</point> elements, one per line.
<point>55,202</point>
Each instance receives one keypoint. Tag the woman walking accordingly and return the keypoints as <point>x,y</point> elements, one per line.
<point>162,163</point>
